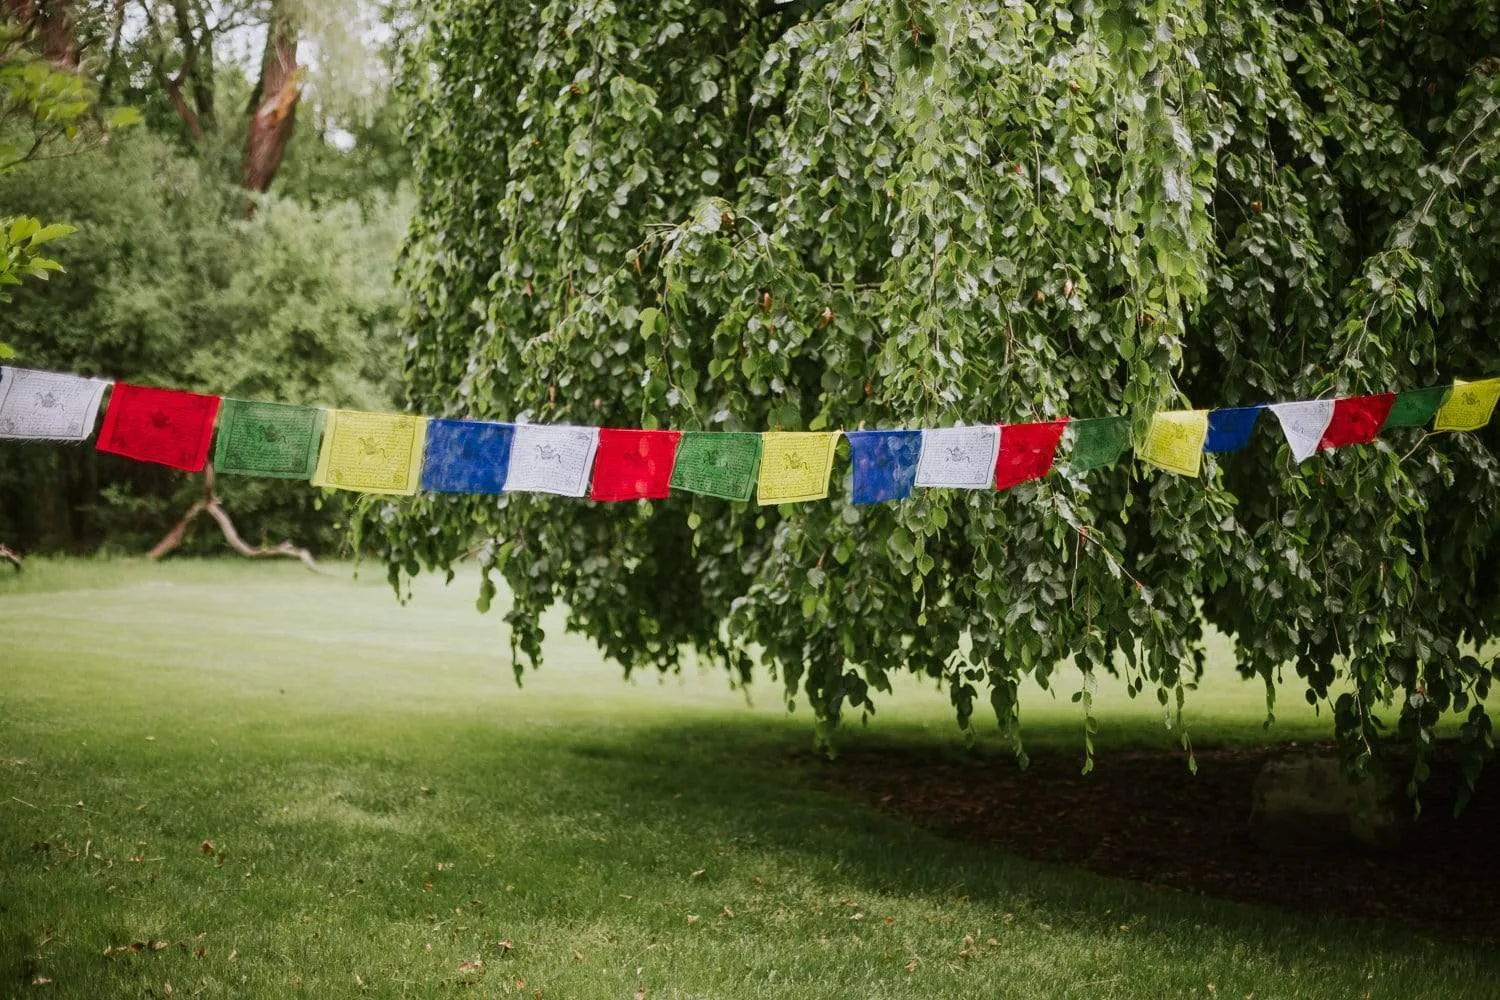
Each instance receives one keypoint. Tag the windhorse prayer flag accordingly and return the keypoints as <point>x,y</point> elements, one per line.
<point>1027,451</point>
<point>721,464</point>
<point>1229,428</point>
<point>959,457</point>
<point>48,406</point>
<point>164,426</point>
<point>1303,424</point>
<point>1356,420</point>
<point>633,465</point>
<point>1175,441</point>
<point>551,459</point>
<point>1415,407</point>
<point>884,464</point>
<point>795,465</point>
<point>268,439</point>
<point>1098,442</point>
<point>371,452</point>
<point>466,456</point>
<point>1469,406</point>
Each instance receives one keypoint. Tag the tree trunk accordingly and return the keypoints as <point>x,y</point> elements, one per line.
<point>51,21</point>
<point>273,106</point>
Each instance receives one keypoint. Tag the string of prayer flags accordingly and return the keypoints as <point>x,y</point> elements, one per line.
<point>466,456</point>
<point>1469,406</point>
<point>795,465</point>
<point>551,459</point>
<point>1356,420</point>
<point>371,452</point>
<point>1175,441</point>
<point>960,458</point>
<point>1303,424</point>
<point>634,465</point>
<point>1229,429</point>
<point>717,464</point>
<point>1098,442</point>
<point>388,453</point>
<point>1415,407</point>
<point>884,464</point>
<point>268,439</point>
<point>1027,451</point>
<point>165,426</point>
<point>48,406</point>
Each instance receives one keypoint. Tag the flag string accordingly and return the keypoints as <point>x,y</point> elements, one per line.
<point>401,454</point>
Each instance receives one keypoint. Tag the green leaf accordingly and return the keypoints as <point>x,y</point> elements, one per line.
<point>23,227</point>
<point>48,233</point>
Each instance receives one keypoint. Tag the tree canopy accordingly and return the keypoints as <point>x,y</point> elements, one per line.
<point>820,215</point>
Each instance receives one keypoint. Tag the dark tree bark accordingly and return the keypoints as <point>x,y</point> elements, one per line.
<point>51,21</point>
<point>273,106</point>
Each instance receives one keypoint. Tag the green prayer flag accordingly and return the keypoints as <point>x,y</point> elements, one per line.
<point>1415,407</point>
<point>723,465</point>
<point>268,439</point>
<point>1098,442</point>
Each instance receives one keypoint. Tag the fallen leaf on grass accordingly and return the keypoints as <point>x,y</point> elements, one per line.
<point>911,966</point>
<point>640,993</point>
<point>726,912</point>
<point>166,988</point>
<point>692,918</point>
<point>969,949</point>
<point>889,920</point>
<point>40,981</point>
<point>504,945</point>
<point>699,873</point>
<point>207,847</point>
<point>577,955</point>
<point>233,955</point>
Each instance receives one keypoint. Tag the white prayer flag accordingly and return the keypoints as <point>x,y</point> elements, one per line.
<point>555,459</point>
<point>959,457</point>
<point>1303,424</point>
<point>47,406</point>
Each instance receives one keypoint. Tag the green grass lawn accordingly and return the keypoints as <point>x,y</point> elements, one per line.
<point>384,805</point>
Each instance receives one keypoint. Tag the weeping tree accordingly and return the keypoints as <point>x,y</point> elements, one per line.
<point>748,216</point>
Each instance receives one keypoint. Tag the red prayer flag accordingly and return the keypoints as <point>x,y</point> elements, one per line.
<point>1026,451</point>
<point>165,426</point>
<point>634,465</point>
<point>1357,420</point>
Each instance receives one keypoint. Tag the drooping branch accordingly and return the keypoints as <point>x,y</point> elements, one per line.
<point>215,509</point>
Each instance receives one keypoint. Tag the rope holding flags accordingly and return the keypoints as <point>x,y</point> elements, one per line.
<point>400,453</point>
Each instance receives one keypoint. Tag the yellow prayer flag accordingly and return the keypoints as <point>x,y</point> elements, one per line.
<point>1175,441</point>
<point>371,452</point>
<point>1469,405</point>
<point>795,465</point>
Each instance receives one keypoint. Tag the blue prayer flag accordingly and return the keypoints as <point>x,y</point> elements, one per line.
<point>1229,429</point>
<point>466,456</point>
<point>885,464</point>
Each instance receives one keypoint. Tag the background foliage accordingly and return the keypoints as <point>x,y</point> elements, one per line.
<point>814,215</point>
<point>179,278</point>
